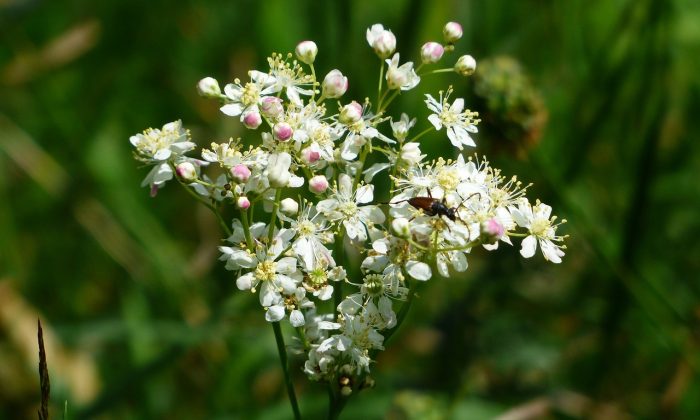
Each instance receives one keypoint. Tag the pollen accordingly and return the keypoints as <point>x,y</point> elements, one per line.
<point>251,94</point>
<point>265,271</point>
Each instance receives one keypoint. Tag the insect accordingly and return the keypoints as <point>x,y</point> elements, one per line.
<point>432,206</point>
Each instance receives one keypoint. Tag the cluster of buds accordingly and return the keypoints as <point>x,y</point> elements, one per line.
<point>286,243</point>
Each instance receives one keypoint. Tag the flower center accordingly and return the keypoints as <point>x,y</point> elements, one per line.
<point>539,227</point>
<point>306,228</point>
<point>318,278</point>
<point>265,270</point>
<point>448,179</point>
<point>374,285</point>
<point>348,208</point>
<point>251,94</point>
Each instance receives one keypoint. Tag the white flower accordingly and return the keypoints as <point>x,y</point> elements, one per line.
<point>343,207</point>
<point>458,122</point>
<point>357,337</point>
<point>155,146</point>
<point>377,290</point>
<point>284,75</point>
<point>241,99</point>
<point>306,51</point>
<point>403,77</point>
<point>334,84</point>
<point>400,128</point>
<point>541,228</point>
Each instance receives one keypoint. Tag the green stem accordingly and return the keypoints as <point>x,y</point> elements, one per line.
<point>422,133</point>
<point>446,70</point>
<point>208,205</point>
<point>246,230</point>
<point>338,248</point>
<point>391,98</point>
<point>273,218</point>
<point>285,368</point>
<point>381,79</point>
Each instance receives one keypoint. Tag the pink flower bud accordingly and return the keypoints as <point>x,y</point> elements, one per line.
<point>452,32</point>
<point>310,155</point>
<point>282,131</point>
<point>334,84</point>
<point>271,106</point>
<point>186,171</point>
<point>381,40</point>
<point>466,65</point>
<point>306,51</point>
<point>351,113</point>
<point>431,52</point>
<point>492,230</point>
<point>243,203</point>
<point>240,173</point>
<point>252,119</point>
<point>318,184</point>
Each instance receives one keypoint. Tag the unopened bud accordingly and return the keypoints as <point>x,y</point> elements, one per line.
<point>318,184</point>
<point>431,52</point>
<point>306,51</point>
<point>401,227</point>
<point>282,131</point>
<point>271,106</point>
<point>452,32</point>
<point>351,113</point>
<point>334,84</point>
<point>278,169</point>
<point>381,40</point>
<point>209,87</point>
<point>243,203</point>
<point>491,231</point>
<point>240,173</point>
<point>466,65</point>
<point>310,155</point>
<point>289,207</point>
<point>252,119</point>
<point>186,171</point>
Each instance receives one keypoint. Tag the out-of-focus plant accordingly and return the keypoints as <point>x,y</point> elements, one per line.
<point>287,244</point>
<point>513,112</point>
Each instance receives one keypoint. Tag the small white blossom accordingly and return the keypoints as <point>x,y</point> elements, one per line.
<point>541,227</point>
<point>401,77</point>
<point>458,121</point>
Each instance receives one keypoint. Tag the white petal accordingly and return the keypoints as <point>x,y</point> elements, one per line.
<point>418,270</point>
<point>268,294</point>
<point>287,265</point>
<point>232,110</point>
<point>274,313</point>
<point>435,121</point>
<point>296,318</point>
<point>551,252</point>
<point>365,194</point>
<point>528,246</point>
<point>245,282</point>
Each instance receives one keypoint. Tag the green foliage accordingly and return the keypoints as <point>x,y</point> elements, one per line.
<point>146,323</point>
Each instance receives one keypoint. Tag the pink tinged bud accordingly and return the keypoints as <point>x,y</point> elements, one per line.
<point>243,203</point>
<point>271,106</point>
<point>186,171</point>
<point>310,155</point>
<point>452,32</point>
<point>351,113</point>
<point>282,131</point>
<point>466,65</point>
<point>209,87</point>
<point>252,119</point>
<point>492,230</point>
<point>385,44</point>
<point>318,184</point>
<point>306,51</point>
<point>334,84</point>
<point>431,52</point>
<point>240,173</point>
<point>154,190</point>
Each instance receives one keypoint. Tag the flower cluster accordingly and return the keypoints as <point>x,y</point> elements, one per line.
<point>305,194</point>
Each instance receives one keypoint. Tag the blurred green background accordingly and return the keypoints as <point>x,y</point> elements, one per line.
<point>594,102</point>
